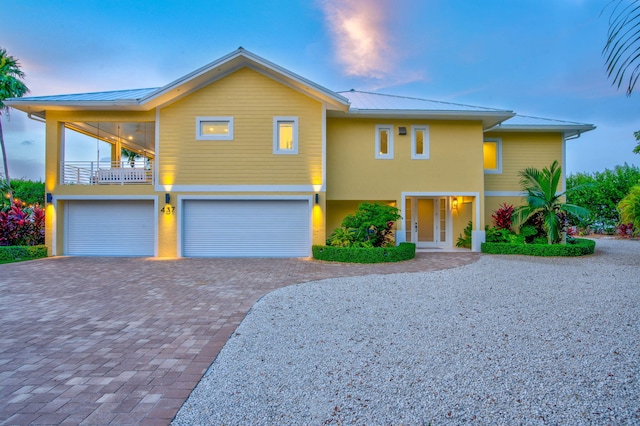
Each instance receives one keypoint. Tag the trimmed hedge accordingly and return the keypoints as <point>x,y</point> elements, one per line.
<point>581,247</point>
<point>20,253</point>
<point>404,251</point>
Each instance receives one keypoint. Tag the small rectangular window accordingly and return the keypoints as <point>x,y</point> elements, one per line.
<point>214,128</point>
<point>285,135</point>
<point>492,155</point>
<point>420,142</point>
<point>384,142</point>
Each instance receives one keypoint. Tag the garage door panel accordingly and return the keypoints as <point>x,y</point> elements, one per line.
<point>246,228</point>
<point>110,228</point>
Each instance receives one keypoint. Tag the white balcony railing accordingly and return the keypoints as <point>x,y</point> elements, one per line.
<point>104,172</point>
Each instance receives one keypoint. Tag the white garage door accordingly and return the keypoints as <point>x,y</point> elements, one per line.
<point>246,228</point>
<point>109,228</point>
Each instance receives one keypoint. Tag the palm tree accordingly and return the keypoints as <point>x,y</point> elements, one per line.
<point>542,197</point>
<point>622,50</point>
<point>11,86</point>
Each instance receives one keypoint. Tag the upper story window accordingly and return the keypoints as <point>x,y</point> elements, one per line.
<point>420,142</point>
<point>285,135</point>
<point>214,128</point>
<point>492,154</point>
<point>384,142</point>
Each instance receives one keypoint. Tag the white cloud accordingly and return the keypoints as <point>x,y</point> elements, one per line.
<point>360,32</point>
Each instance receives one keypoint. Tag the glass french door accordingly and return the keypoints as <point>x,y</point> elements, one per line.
<point>426,221</point>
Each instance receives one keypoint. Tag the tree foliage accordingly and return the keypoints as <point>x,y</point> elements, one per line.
<point>542,198</point>
<point>370,226</point>
<point>600,193</point>
<point>11,86</point>
<point>622,49</point>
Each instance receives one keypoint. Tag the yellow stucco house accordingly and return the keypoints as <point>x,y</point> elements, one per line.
<point>245,158</point>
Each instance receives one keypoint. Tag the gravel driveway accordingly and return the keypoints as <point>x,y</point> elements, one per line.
<point>505,340</point>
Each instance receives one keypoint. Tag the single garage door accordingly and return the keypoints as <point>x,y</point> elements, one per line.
<point>109,228</point>
<point>246,228</point>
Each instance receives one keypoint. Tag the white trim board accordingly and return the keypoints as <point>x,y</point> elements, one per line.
<point>236,188</point>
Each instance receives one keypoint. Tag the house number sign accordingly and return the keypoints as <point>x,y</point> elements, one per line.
<point>168,210</point>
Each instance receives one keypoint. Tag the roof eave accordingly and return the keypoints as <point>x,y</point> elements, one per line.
<point>489,118</point>
<point>568,131</point>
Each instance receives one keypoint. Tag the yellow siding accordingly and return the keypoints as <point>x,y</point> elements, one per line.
<point>522,150</point>
<point>455,164</point>
<point>253,100</point>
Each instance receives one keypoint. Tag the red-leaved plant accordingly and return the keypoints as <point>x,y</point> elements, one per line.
<point>502,217</point>
<point>21,226</point>
<point>625,230</point>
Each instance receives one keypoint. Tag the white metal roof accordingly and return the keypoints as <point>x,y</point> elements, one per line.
<point>526,123</point>
<point>378,105</point>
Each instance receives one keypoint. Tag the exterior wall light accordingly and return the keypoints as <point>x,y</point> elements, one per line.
<point>402,131</point>
<point>49,198</point>
<point>167,198</point>
<point>454,204</point>
<point>317,198</point>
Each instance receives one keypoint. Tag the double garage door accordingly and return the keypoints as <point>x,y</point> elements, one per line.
<point>210,228</point>
<point>110,228</point>
<point>246,228</point>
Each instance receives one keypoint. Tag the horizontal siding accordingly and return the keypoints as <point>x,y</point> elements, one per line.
<point>253,100</point>
<point>455,162</point>
<point>519,151</point>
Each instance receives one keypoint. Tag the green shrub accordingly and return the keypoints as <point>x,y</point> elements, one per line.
<point>578,247</point>
<point>20,253</point>
<point>370,226</point>
<point>404,251</point>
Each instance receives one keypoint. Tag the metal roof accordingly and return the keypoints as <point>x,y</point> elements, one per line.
<point>378,105</point>
<point>110,96</point>
<point>526,123</point>
<point>379,101</point>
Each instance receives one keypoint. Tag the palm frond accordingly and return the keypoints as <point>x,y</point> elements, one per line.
<point>622,49</point>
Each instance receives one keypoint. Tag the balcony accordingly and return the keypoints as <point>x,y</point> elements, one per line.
<point>105,173</point>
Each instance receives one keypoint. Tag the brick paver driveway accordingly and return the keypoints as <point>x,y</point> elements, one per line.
<point>123,341</point>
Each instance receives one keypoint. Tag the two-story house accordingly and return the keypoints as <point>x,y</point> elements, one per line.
<point>245,158</point>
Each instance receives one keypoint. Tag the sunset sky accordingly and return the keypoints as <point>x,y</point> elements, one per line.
<point>536,57</point>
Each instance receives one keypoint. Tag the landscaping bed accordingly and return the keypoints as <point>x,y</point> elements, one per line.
<point>404,251</point>
<point>10,254</point>
<point>577,247</point>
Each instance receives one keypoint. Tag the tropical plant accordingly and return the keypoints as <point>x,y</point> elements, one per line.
<point>370,226</point>
<point>622,49</point>
<point>130,155</point>
<point>11,86</point>
<point>464,240</point>
<point>542,197</point>
<point>502,217</point>
<point>629,208</point>
<point>21,225</point>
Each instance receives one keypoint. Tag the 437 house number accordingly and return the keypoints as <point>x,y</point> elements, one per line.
<point>168,210</point>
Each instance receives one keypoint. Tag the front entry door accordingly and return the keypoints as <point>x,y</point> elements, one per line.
<point>426,221</point>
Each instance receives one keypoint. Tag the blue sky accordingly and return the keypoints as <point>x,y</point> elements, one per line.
<point>536,57</point>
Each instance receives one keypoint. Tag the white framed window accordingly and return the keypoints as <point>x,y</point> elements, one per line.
<point>384,142</point>
<point>492,155</point>
<point>420,142</point>
<point>214,128</point>
<point>285,135</point>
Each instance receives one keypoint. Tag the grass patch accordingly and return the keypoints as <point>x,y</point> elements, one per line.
<point>579,247</point>
<point>404,251</point>
<point>10,254</point>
